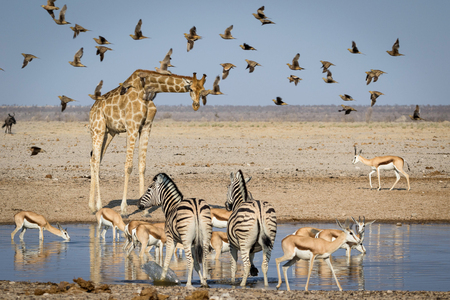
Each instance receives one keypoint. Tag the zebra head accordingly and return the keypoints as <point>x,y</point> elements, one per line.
<point>237,191</point>
<point>162,191</point>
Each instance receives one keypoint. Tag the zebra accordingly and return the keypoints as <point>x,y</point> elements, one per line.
<point>9,121</point>
<point>252,227</point>
<point>188,221</point>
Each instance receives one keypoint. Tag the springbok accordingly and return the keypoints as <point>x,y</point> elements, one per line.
<point>361,229</point>
<point>330,235</point>
<point>219,242</point>
<point>149,235</point>
<point>304,247</point>
<point>106,218</point>
<point>130,228</point>
<point>387,162</point>
<point>219,217</point>
<point>27,219</point>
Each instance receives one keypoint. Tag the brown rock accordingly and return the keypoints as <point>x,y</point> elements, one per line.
<point>199,295</point>
<point>85,285</point>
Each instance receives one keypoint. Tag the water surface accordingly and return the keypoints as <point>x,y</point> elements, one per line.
<point>408,257</point>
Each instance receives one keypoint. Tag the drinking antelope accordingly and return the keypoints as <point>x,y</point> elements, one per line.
<point>361,229</point>
<point>378,163</point>
<point>106,218</point>
<point>27,219</point>
<point>305,247</point>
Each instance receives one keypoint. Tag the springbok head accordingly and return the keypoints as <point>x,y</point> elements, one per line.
<point>350,235</point>
<point>195,88</point>
<point>64,233</point>
<point>361,224</point>
<point>356,157</point>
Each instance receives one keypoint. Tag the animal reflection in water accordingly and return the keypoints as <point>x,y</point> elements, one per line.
<point>36,255</point>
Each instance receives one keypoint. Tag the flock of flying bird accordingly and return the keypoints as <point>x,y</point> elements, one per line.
<point>191,37</point>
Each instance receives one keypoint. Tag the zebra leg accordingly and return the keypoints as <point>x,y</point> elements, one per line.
<point>253,270</point>
<point>234,258</point>
<point>190,259</point>
<point>170,247</point>
<point>245,255</point>
<point>267,252</point>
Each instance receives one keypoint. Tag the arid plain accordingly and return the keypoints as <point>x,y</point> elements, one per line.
<point>303,168</point>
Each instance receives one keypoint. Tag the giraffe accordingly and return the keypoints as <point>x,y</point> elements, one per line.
<point>125,110</point>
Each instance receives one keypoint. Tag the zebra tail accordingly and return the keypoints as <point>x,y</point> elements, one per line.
<point>198,242</point>
<point>267,214</point>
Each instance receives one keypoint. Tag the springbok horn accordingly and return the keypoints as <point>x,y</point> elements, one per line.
<point>355,150</point>
<point>339,223</point>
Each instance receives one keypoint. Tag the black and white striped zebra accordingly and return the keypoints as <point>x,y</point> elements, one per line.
<point>188,221</point>
<point>252,227</point>
<point>9,121</point>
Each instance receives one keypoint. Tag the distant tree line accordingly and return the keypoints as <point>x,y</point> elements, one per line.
<point>227,113</point>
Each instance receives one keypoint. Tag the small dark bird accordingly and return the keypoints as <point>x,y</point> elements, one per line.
<point>101,40</point>
<point>347,109</point>
<point>97,93</point>
<point>143,77</point>
<point>394,51</point>
<point>373,97</point>
<point>50,7</point>
<point>329,78</point>
<point>279,101</point>
<point>260,13</point>
<point>226,69</point>
<point>101,51</point>
<point>35,150</point>
<point>346,97</point>
<point>266,22</point>
<point>354,49</point>
<point>214,91</point>
<point>27,58</point>
<point>227,34</point>
<point>416,115</point>
<point>77,59</point>
<point>124,87</point>
<point>295,65</point>
<point>149,93</point>
<point>64,101</point>
<point>251,65</point>
<point>62,17</point>
<point>325,65</point>
<point>246,47</point>
<point>294,79</point>
<point>77,29</point>
<point>137,32</point>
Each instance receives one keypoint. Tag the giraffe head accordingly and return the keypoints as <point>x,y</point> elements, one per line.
<point>195,88</point>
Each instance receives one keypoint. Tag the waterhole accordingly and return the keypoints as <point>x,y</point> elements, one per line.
<point>409,257</point>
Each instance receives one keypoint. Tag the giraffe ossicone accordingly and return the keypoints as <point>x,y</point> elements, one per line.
<point>132,112</point>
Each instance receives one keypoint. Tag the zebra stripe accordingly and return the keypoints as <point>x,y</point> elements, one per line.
<point>252,227</point>
<point>188,221</point>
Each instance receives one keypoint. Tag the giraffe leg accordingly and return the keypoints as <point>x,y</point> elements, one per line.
<point>98,137</point>
<point>143,145</point>
<point>132,133</point>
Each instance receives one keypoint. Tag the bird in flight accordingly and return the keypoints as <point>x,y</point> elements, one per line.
<point>373,74</point>
<point>101,51</point>
<point>191,37</point>
<point>325,65</point>
<point>77,29</point>
<point>137,32</point>
<point>62,16</point>
<point>373,97</point>
<point>50,7</point>
<point>227,34</point>
<point>226,69</point>
<point>354,49</point>
<point>260,13</point>
<point>165,64</point>
<point>35,150</point>
<point>246,47</point>
<point>101,40</point>
<point>394,51</point>
<point>77,59</point>
<point>295,65</point>
<point>27,58</point>
<point>251,65</point>
<point>329,78</point>
<point>64,101</point>
<point>347,109</point>
<point>346,97</point>
<point>416,115</point>
<point>97,93</point>
<point>294,79</point>
<point>279,101</point>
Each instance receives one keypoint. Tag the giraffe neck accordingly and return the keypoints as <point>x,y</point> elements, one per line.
<point>162,83</point>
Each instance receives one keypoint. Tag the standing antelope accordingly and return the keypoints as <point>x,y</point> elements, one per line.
<point>330,235</point>
<point>9,121</point>
<point>106,218</point>
<point>149,235</point>
<point>252,227</point>
<point>304,247</point>
<point>378,163</point>
<point>188,221</point>
<point>219,242</point>
<point>130,228</point>
<point>27,219</point>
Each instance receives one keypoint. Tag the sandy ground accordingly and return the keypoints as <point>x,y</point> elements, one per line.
<point>303,169</point>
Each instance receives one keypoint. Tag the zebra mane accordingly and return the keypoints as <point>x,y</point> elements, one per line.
<point>242,185</point>
<point>167,181</point>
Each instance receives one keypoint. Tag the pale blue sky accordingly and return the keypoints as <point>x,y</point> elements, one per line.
<point>318,30</point>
